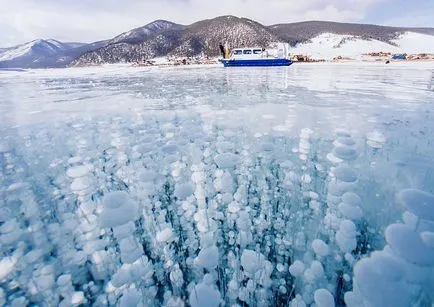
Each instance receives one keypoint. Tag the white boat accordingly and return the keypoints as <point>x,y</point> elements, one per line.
<point>256,57</point>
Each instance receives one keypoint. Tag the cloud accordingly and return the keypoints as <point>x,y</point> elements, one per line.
<point>421,20</point>
<point>417,18</point>
<point>91,20</point>
<point>403,13</point>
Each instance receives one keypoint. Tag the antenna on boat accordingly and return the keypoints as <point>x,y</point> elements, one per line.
<point>222,50</point>
<point>226,56</point>
<point>285,50</point>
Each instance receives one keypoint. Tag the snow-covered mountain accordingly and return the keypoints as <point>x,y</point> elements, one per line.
<point>35,48</point>
<point>52,53</point>
<point>138,35</point>
<point>37,53</point>
<point>317,39</point>
<point>330,45</point>
<point>299,32</point>
<point>200,37</point>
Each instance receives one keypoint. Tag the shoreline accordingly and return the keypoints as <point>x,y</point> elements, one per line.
<point>133,67</point>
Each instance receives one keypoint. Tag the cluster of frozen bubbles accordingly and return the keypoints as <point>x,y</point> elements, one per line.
<point>174,211</point>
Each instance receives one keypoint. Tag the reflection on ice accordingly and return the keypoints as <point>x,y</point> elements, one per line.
<point>265,187</point>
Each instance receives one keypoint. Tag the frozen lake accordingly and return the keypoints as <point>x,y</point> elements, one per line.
<point>205,186</point>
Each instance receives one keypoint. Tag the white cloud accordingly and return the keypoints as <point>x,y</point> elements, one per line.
<point>90,20</point>
<point>413,19</point>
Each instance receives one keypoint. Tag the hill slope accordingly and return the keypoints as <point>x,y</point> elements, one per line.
<point>200,37</point>
<point>140,34</point>
<point>329,45</point>
<point>295,33</point>
<point>37,53</point>
<point>165,38</point>
<point>44,53</point>
<point>52,53</point>
<point>203,37</point>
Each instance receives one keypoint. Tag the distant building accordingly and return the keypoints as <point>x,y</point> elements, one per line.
<point>399,57</point>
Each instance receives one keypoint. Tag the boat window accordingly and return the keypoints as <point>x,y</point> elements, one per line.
<point>257,51</point>
<point>247,51</point>
<point>237,52</point>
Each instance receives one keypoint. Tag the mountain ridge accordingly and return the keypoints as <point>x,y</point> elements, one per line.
<point>306,30</point>
<point>203,37</point>
<point>138,34</point>
<point>165,38</point>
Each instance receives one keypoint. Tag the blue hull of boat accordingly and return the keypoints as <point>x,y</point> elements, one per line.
<point>257,62</point>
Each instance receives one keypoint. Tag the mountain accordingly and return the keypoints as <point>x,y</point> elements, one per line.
<point>37,53</point>
<point>203,37</point>
<point>52,53</point>
<point>165,38</point>
<point>37,48</point>
<point>300,32</point>
<point>200,37</point>
<point>43,53</point>
<point>138,35</point>
<point>75,44</point>
<point>328,46</point>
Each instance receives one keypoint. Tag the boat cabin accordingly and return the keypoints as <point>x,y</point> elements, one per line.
<point>248,53</point>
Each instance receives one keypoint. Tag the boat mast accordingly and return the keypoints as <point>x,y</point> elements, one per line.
<point>285,50</point>
<point>226,50</point>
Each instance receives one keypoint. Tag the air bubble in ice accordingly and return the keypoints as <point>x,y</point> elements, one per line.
<point>323,298</point>
<point>78,171</point>
<point>118,209</point>
<point>320,248</point>
<point>345,174</point>
<point>226,160</point>
<point>345,153</point>
<point>418,202</point>
<point>408,244</point>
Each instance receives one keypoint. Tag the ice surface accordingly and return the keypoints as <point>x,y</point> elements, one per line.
<point>164,234</point>
<point>419,202</point>
<point>208,257</point>
<point>226,160</point>
<point>320,248</point>
<point>346,236</point>
<point>77,298</point>
<point>351,199</point>
<point>118,210</point>
<point>345,174</point>
<point>7,265</point>
<point>376,288</point>
<point>174,187</point>
<point>252,261</point>
<point>204,295</point>
<point>297,268</point>
<point>407,243</point>
<point>131,297</point>
<point>345,153</point>
<point>375,139</point>
<point>78,171</point>
<point>323,298</point>
<point>428,238</point>
<point>183,190</point>
<point>351,212</point>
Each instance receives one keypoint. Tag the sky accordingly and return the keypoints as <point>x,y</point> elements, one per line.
<point>92,20</point>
